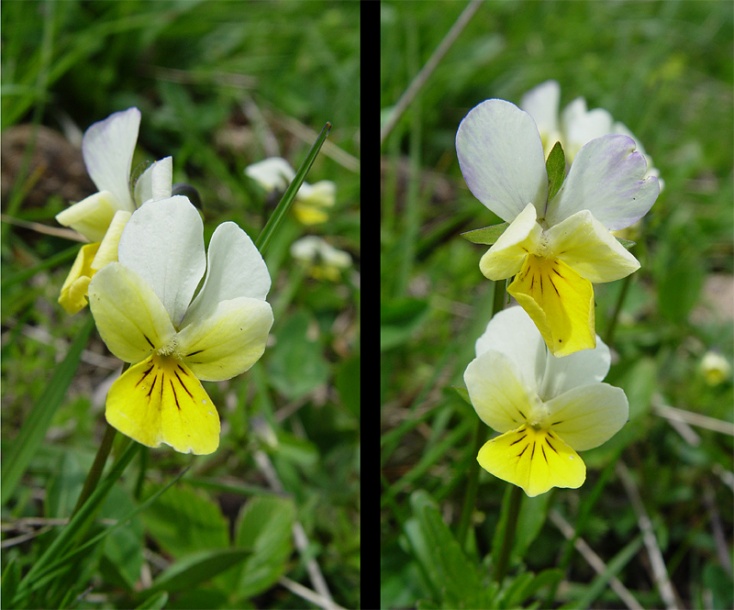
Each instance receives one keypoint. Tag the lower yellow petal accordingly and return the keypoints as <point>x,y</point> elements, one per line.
<point>308,214</point>
<point>559,301</point>
<point>73,296</point>
<point>535,460</point>
<point>160,401</point>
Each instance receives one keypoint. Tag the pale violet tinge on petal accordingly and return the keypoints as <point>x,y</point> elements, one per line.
<point>501,158</point>
<point>227,342</point>
<point>108,147</point>
<point>129,315</point>
<point>164,244</point>
<point>235,268</point>
<point>606,178</point>
<point>587,416</point>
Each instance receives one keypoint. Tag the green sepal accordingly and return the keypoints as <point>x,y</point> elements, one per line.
<point>486,235</point>
<point>627,243</point>
<point>555,166</point>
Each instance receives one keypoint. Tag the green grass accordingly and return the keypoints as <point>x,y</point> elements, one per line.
<point>665,70</point>
<point>220,85</point>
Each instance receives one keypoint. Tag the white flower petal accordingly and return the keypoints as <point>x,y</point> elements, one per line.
<point>505,258</point>
<point>229,341</point>
<point>542,103</point>
<point>497,391</point>
<point>606,178</point>
<point>512,333</point>
<point>586,246</point>
<point>587,416</point>
<point>235,268</point>
<point>163,242</point>
<point>155,182</point>
<point>129,315</point>
<point>108,148</point>
<point>581,126</point>
<point>273,174</point>
<point>559,375</point>
<point>501,158</point>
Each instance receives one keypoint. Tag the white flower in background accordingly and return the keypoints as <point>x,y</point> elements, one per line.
<point>715,368</point>
<point>149,313</point>
<point>557,243</point>
<point>545,408</point>
<point>322,260</point>
<point>576,125</point>
<point>108,148</point>
<point>312,200</point>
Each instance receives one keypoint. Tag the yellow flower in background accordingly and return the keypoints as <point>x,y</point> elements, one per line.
<point>545,408</point>
<point>715,368</point>
<point>108,148</point>
<point>322,261</point>
<point>559,243</point>
<point>150,314</point>
<point>313,201</point>
<point>575,125</point>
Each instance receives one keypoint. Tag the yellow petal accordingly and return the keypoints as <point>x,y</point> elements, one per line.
<point>505,258</point>
<point>108,248</point>
<point>308,214</point>
<point>92,216</point>
<point>559,301</point>
<point>160,401</point>
<point>73,296</point>
<point>535,460</point>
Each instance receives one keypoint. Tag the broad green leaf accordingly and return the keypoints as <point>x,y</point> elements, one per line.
<point>486,235</point>
<point>525,585</point>
<point>555,166</point>
<point>266,528</point>
<point>347,382</point>
<point>190,571</point>
<point>124,546</point>
<point>453,577</point>
<point>184,521</point>
<point>296,364</point>
<point>31,435</point>
<point>154,602</point>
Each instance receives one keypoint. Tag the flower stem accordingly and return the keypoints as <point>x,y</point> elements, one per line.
<point>498,304</point>
<point>95,472</point>
<point>508,539</point>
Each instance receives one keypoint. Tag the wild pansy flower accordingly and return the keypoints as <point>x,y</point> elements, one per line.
<point>576,125</point>
<point>715,368</point>
<point>545,408</point>
<point>322,260</point>
<point>558,241</point>
<point>108,148</point>
<point>312,200</point>
<point>150,314</point>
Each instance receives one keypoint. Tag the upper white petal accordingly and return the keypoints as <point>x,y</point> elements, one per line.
<point>501,158</point>
<point>163,242</point>
<point>273,174</point>
<point>235,268</point>
<point>108,148</point>
<point>155,182</point>
<point>542,104</point>
<point>606,178</point>
<point>512,333</point>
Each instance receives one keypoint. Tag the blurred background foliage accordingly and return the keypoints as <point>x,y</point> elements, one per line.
<point>220,85</point>
<point>665,70</point>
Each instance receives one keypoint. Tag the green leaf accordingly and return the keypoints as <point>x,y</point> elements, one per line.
<point>154,602</point>
<point>530,522</point>
<point>486,235</point>
<point>453,577</point>
<point>555,166</point>
<point>194,569</point>
<point>31,435</point>
<point>347,383</point>
<point>266,527</point>
<point>627,243</point>
<point>185,520</point>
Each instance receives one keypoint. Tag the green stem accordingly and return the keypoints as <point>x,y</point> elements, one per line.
<point>498,304</point>
<point>508,539</point>
<point>95,472</point>
<point>617,309</point>
<point>289,196</point>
